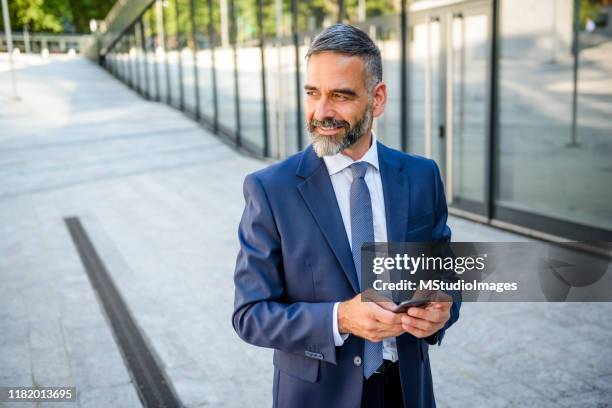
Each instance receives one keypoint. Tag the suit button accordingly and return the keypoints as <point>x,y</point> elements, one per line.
<point>357,361</point>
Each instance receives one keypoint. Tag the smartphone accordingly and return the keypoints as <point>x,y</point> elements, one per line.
<point>403,307</point>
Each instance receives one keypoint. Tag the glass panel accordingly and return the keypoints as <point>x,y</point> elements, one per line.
<point>173,51</point>
<point>224,65</point>
<point>204,59</point>
<point>432,128</point>
<point>541,170</point>
<point>140,59</point>
<point>381,20</point>
<point>118,63</point>
<point>186,54</point>
<point>148,21</point>
<point>469,60</point>
<point>127,67</point>
<point>133,59</point>
<point>280,78</point>
<point>589,199</point>
<point>108,61</point>
<point>424,88</point>
<point>157,25</point>
<point>119,58</point>
<point>249,73</point>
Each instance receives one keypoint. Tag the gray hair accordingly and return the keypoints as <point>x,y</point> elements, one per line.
<point>348,39</point>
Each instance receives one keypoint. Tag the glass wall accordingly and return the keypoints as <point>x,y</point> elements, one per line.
<point>225,55</point>
<point>205,43</point>
<point>423,84</point>
<point>591,141</point>
<point>553,163</point>
<point>467,127</point>
<point>141,63</point>
<point>132,59</point>
<point>524,137</point>
<point>248,58</point>
<point>125,58</point>
<point>157,30</point>
<point>173,55</point>
<point>148,23</point>
<point>281,87</point>
<point>187,55</point>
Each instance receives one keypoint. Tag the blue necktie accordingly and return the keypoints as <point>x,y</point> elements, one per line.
<point>362,230</point>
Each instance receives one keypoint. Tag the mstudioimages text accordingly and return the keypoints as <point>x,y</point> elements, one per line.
<point>436,284</point>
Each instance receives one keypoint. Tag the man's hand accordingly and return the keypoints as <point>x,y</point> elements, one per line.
<point>423,322</point>
<point>369,320</point>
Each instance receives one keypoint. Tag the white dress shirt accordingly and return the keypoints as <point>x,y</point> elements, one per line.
<point>341,176</point>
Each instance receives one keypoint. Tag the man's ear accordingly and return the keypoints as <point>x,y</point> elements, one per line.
<point>379,100</point>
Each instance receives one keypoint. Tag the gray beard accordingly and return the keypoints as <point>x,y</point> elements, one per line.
<point>329,146</point>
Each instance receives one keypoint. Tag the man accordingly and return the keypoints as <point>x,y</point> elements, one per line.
<point>297,286</point>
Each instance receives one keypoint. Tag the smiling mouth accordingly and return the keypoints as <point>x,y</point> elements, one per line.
<point>333,129</point>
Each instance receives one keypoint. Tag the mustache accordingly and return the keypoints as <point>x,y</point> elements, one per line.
<point>328,122</point>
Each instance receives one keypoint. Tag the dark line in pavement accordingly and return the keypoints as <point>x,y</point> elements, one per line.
<point>152,385</point>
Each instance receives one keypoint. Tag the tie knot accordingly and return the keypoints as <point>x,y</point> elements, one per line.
<point>359,169</point>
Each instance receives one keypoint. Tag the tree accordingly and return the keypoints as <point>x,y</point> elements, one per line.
<point>56,15</point>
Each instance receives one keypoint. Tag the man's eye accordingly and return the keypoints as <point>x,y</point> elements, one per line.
<point>310,93</point>
<point>341,97</point>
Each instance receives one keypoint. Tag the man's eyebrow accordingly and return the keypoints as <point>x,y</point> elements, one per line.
<point>345,91</point>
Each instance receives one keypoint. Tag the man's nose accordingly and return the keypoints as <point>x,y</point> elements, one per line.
<point>324,109</point>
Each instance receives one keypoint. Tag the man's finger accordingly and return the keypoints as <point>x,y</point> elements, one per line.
<point>420,324</point>
<point>415,331</point>
<point>387,305</point>
<point>385,316</point>
<point>431,315</point>
<point>440,305</point>
<point>387,329</point>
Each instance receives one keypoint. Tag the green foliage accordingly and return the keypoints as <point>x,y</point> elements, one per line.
<point>589,10</point>
<point>56,15</point>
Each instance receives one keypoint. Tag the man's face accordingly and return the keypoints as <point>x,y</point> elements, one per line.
<point>338,107</point>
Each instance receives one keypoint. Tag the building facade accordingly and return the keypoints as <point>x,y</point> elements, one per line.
<point>512,98</point>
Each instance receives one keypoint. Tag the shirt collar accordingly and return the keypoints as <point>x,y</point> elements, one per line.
<point>339,161</point>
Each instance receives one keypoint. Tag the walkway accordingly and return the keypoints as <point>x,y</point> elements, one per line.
<point>160,199</point>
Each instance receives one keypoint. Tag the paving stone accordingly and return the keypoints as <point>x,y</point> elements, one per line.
<point>45,334</point>
<point>14,332</point>
<point>122,396</point>
<point>15,364</point>
<point>99,369</point>
<point>51,366</point>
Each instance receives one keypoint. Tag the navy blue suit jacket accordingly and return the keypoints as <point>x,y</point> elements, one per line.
<point>295,262</point>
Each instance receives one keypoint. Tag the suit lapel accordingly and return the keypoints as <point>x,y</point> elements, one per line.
<point>318,193</point>
<point>396,194</point>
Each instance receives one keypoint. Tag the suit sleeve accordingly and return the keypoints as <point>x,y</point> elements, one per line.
<point>260,316</point>
<point>442,233</point>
